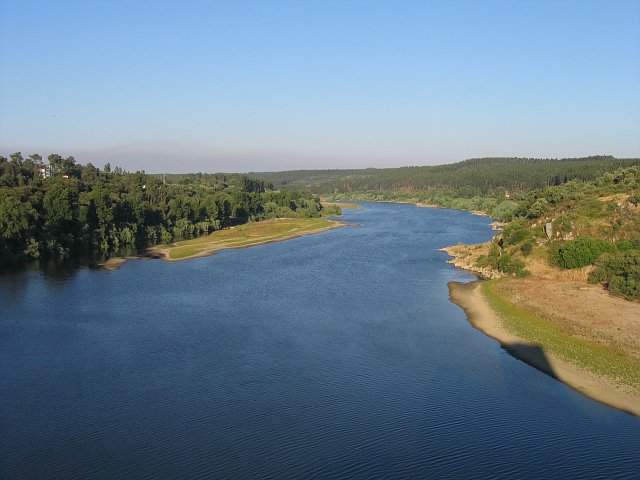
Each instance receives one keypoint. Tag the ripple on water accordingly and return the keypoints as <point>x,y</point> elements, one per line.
<point>329,356</point>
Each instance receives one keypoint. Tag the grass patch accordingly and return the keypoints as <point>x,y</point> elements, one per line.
<point>341,205</point>
<point>595,358</point>
<point>247,235</point>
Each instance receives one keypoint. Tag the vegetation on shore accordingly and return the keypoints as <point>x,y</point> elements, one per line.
<point>333,209</point>
<point>601,360</point>
<point>560,239</point>
<point>579,225</point>
<point>591,227</point>
<point>620,272</point>
<point>60,208</point>
<point>246,235</point>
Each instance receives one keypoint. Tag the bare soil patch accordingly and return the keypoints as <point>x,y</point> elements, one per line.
<point>583,310</point>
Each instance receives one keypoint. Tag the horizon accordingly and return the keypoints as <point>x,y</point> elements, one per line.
<point>243,86</point>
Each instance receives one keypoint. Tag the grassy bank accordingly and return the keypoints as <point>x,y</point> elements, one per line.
<point>244,236</point>
<point>598,359</point>
<point>341,205</point>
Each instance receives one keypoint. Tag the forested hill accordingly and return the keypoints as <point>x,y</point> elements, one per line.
<point>58,208</point>
<point>477,175</point>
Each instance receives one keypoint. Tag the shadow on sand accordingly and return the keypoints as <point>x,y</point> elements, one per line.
<point>532,355</point>
<point>481,316</point>
<point>462,294</point>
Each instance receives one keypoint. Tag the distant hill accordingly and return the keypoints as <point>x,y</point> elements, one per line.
<point>478,175</point>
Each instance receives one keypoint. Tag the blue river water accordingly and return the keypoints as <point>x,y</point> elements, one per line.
<point>337,355</point>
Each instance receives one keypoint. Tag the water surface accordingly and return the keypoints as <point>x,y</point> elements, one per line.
<point>335,355</point>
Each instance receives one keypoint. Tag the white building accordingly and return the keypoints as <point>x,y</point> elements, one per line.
<point>44,171</point>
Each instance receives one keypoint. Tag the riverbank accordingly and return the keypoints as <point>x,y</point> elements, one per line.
<point>348,206</point>
<point>466,257</point>
<point>597,371</point>
<point>243,236</point>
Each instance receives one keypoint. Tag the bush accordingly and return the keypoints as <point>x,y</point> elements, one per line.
<point>494,254</point>
<point>331,211</point>
<point>625,286</point>
<point>483,261</point>
<point>621,272</point>
<point>514,233</point>
<point>624,245</point>
<point>539,208</point>
<point>578,253</point>
<point>508,264</point>
<point>501,261</point>
<point>491,259</point>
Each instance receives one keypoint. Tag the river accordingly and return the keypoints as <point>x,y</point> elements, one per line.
<point>337,355</point>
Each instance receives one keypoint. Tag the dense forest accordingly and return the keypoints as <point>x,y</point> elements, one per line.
<point>474,177</point>
<point>49,209</point>
<point>496,186</point>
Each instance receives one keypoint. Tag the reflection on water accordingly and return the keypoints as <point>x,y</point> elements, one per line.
<point>63,269</point>
<point>335,355</point>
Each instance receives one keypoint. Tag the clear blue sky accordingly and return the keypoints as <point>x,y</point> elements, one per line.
<point>264,85</point>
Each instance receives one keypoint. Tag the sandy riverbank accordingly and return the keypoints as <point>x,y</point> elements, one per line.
<point>471,299</point>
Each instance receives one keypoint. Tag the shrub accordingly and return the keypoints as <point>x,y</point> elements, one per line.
<point>514,233</point>
<point>578,253</point>
<point>483,261</point>
<point>494,253</point>
<point>621,272</point>
<point>331,211</point>
<point>538,208</point>
<point>501,261</point>
<point>508,264</point>
<point>625,286</point>
<point>624,245</point>
<point>491,259</point>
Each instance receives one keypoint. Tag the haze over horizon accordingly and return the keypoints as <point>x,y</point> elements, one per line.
<point>262,86</point>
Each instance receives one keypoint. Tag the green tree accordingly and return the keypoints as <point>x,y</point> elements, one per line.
<point>61,207</point>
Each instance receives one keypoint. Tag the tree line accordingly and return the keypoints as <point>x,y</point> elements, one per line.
<point>57,207</point>
<point>473,177</point>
